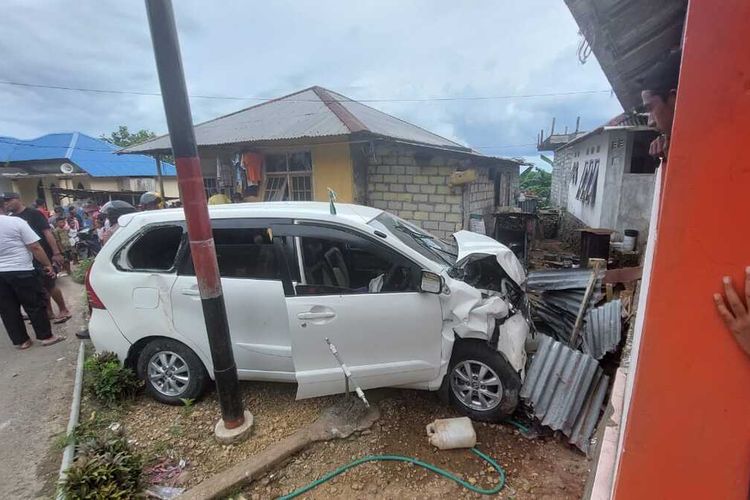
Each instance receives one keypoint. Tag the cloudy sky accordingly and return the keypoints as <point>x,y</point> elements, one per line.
<point>390,50</point>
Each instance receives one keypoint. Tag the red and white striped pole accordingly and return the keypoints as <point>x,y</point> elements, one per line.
<point>190,180</point>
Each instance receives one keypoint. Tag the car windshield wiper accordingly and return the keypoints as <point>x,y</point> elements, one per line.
<point>422,239</point>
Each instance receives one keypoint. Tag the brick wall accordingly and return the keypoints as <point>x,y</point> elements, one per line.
<point>414,185</point>
<point>561,177</point>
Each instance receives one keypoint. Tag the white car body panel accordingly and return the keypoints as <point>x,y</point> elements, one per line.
<point>258,325</point>
<point>388,339</point>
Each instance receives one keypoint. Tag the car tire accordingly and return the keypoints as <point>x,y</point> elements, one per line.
<point>172,371</point>
<point>481,383</point>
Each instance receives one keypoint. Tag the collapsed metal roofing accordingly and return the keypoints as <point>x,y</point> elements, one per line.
<point>556,296</point>
<point>314,112</point>
<point>566,389</point>
<point>603,329</point>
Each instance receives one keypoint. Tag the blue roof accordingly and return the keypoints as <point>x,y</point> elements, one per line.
<point>95,156</point>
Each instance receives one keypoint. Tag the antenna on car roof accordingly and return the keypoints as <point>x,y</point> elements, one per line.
<point>332,198</point>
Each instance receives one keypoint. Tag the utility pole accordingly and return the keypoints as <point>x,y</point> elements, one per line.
<point>235,423</point>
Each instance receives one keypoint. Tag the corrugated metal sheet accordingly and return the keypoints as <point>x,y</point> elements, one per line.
<point>565,389</point>
<point>95,156</point>
<point>295,116</point>
<point>389,126</point>
<point>556,296</point>
<point>300,115</point>
<point>559,279</point>
<point>603,329</point>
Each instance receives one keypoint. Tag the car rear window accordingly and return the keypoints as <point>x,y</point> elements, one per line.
<point>155,249</point>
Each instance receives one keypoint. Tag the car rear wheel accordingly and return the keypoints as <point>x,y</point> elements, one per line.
<point>172,371</point>
<point>481,382</point>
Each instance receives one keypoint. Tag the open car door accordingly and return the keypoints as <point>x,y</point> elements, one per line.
<point>364,298</point>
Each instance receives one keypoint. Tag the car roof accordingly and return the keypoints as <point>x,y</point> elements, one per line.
<point>345,212</point>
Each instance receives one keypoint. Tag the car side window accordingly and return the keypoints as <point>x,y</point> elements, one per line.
<point>243,253</point>
<point>154,250</point>
<point>344,263</point>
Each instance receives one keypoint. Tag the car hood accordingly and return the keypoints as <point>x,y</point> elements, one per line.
<point>472,244</point>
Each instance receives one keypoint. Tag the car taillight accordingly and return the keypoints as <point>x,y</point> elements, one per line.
<point>94,301</point>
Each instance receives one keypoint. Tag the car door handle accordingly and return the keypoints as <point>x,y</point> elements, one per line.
<point>194,292</point>
<point>316,315</point>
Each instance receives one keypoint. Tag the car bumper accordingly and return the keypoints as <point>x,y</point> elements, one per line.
<point>106,336</point>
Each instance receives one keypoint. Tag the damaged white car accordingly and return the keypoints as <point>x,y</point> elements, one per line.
<point>403,308</point>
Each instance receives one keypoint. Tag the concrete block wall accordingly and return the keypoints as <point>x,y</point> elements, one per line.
<point>416,192</point>
<point>480,196</point>
<point>561,177</point>
<point>413,184</point>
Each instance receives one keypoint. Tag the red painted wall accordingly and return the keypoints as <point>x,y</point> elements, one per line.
<point>688,431</point>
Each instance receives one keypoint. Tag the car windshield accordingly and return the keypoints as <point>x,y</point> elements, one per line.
<point>417,239</point>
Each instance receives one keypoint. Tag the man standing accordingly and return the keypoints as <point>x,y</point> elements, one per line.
<point>41,227</point>
<point>19,283</point>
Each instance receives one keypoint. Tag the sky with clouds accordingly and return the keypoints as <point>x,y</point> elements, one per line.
<point>385,49</point>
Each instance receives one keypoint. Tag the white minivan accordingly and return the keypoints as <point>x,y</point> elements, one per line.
<point>403,308</point>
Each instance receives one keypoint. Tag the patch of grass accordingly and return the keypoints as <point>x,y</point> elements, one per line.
<point>176,430</point>
<point>187,406</point>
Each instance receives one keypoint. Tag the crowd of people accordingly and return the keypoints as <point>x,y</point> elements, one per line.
<point>37,247</point>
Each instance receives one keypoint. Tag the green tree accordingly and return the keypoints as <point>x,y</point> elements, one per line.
<point>537,182</point>
<point>123,138</point>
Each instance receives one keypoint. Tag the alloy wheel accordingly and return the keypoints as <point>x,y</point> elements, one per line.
<point>476,385</point>
<point>168,373</point>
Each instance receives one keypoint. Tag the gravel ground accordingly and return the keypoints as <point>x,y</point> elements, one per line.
<point>542,468</point>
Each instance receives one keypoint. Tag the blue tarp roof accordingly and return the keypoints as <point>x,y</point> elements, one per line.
<point>95,156</point>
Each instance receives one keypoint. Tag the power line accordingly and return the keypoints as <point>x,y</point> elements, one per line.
<point>41,146</point>
<point>250,98</point>
<point>28,145</point>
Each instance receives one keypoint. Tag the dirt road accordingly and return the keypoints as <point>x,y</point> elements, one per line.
<point>35,392</point>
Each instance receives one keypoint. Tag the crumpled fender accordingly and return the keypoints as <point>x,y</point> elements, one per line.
<point>468,315</point>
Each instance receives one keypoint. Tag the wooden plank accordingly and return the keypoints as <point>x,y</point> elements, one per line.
<point>623,275</point>
<point>596,264</point>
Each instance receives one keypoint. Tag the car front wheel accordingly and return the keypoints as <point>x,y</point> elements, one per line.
<point>481,382</point>
<point>172,371</point>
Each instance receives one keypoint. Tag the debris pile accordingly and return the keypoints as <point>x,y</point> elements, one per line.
<point>581,311</point>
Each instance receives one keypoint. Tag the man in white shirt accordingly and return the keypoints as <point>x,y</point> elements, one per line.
<point>20,284</point>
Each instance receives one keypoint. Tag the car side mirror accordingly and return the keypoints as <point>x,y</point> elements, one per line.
<point>431,282</point>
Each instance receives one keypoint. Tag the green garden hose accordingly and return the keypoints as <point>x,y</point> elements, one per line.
<point>400,458</point>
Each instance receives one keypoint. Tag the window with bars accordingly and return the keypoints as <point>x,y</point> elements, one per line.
<point>288,176</point>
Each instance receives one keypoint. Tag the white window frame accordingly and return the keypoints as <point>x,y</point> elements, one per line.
<point>287,177</point>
